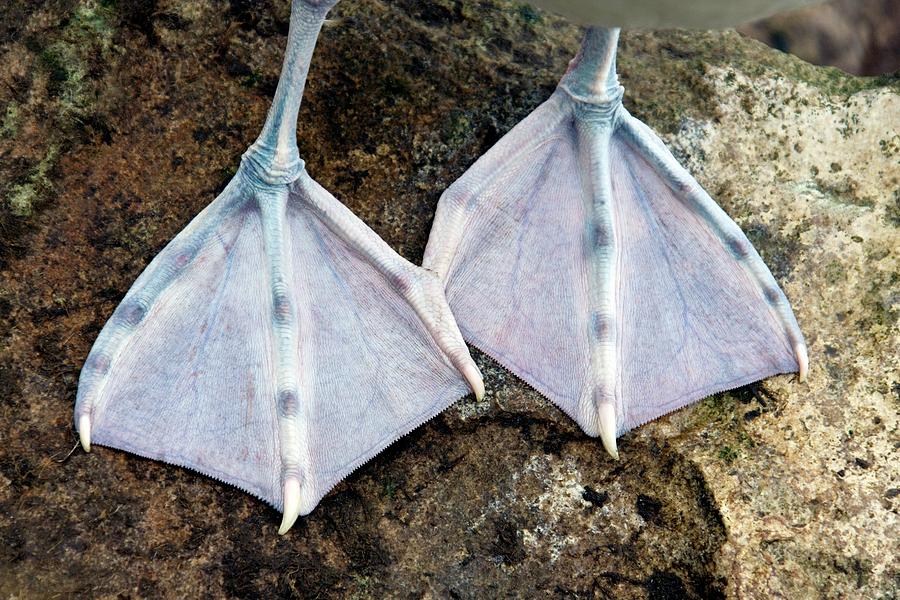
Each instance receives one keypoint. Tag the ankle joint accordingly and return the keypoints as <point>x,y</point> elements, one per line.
<point>264,166</point>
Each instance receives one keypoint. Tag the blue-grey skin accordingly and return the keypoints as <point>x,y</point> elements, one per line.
<point>579,254</point>
<point>277,343</point>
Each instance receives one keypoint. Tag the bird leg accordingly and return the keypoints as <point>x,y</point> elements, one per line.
<point>276,343</point>
<point>582,256</point>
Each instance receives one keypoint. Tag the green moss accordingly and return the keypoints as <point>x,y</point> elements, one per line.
<point>892,211</point>
<point>684,93</point>
<point>21,199</point>
<point>389,489</point>
<point>24,196</point>
<point>758,60</point>
<point>880,302</point>
<point>528,14</point>
<point>725,414</point>
<point>362,587</point>
<point>718,407</point>
<point>67,73</point>
<point>252,80</point>
<point>11,121</point>
<point>69,62</point>
<point>94,20</point>
<point>745,440</point>
<point>834,272</point>
<point>728,454</point>
<point>457,129</point>
<point>890,147</point>
<point>86,38</point>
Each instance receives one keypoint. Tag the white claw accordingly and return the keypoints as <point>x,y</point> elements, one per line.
<point>802,360</point>
<point>607,414</point>
<point>473,377</point>
<point>84,432</point>
<point>291,503</point>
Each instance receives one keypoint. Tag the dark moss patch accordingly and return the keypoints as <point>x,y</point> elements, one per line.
<point>12,545</point>
<point>881,302</point>
<point>648,508</point>
<point>777,250</point>
<point>138,15</point>
<point>265,18</point>
<point>892,212</point>
<point>728,454</point>
<point>665,586</point>
<point>596,498</point>
<point>507,544</point>
<point>835,272</point>
<point>529,14</point>
<point>10,377</point>
<point>844,191</point>
<point>439,13</point>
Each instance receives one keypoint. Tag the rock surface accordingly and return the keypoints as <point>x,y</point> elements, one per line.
<point>120,121</point>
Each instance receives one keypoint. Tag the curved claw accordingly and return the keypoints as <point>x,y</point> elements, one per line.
<point>428,300</point>
<point>802,361</point>
<point>291,502</point>
<point>472,375</point>
<point>607,414</point>
<point>458,353</point>
<point>84,432</point>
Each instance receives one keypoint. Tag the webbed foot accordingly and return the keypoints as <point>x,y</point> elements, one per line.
<point>580,254</point>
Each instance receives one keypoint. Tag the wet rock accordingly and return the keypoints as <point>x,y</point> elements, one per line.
<point>499,497</point>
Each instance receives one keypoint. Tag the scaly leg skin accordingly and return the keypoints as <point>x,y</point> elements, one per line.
<point>277,343</point>
<point>579,254</point>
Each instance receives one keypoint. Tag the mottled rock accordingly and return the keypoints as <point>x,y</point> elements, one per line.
<point>125,119</point>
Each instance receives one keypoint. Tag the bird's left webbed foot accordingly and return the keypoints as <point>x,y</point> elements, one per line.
<point>584,258</point>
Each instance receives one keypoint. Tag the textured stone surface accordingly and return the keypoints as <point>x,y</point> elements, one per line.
<point>120,121</point>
